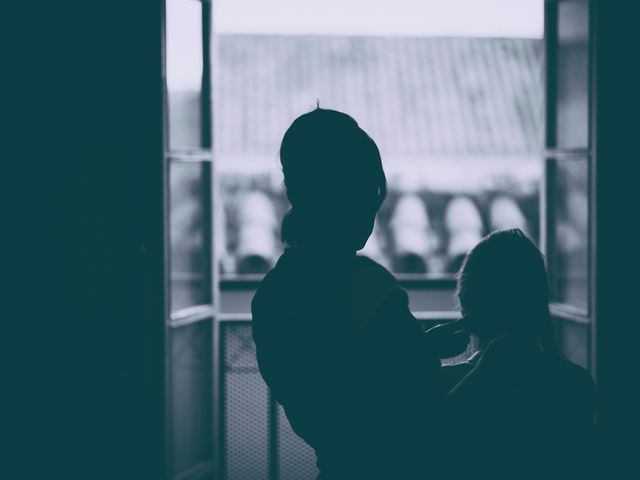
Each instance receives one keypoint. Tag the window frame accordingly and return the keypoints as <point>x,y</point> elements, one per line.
<point>207,312</point>
<point>562,311</point>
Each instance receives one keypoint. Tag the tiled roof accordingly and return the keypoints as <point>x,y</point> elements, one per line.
<point>415,96</point>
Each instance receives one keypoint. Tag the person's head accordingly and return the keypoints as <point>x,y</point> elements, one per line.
<point>334,181</point>
<point>502,288</point>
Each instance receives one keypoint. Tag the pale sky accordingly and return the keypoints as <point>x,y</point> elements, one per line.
<point>467,18</point>
<point>475,18</point>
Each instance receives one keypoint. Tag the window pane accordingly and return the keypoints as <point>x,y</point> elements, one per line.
<point>191,395</point>
<point>572,65</point>
<point>184,71</point>
<point>570,267</point>
<point>189,253</point>
<point>573,340</point>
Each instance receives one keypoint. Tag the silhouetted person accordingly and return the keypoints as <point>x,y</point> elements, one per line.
<point>335,339</point>
<point>527,410</point>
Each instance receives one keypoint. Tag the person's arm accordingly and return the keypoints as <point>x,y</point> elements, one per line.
<point>448,340</point>
<point>411,365</point>
<point>499,361</point>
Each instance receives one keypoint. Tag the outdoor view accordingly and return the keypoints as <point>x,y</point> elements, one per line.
<point>455,108</point>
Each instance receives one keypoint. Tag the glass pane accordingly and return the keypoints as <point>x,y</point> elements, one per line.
<point>184,71</point>
<point>570,267</point>
<point>573,340</point>
<point>572,108</point>
<point>191,395</point>
<point>189,252</point>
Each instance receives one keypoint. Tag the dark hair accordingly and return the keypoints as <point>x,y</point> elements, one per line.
<point>502,288</point>
<point>334,180</point>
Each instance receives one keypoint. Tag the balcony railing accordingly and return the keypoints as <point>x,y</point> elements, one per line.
<point>255,440</point>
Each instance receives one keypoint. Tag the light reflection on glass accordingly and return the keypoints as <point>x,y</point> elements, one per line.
<point>188,265</point>
<point>571,225</point>
<point>572,65</point>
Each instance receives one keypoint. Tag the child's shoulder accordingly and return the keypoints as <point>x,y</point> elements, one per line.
<point>580,382</point>
<point>454,373</point>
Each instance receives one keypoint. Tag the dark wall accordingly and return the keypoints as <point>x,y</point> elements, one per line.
<point>617,182</point>
<point>82,239</point>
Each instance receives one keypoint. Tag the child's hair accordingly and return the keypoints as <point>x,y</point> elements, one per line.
<point>502,288</point>
<point>334,180</point>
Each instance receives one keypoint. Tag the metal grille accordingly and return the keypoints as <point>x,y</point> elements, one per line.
<point>257,440</point>
<point>245,407</point>
<point>296,459</point>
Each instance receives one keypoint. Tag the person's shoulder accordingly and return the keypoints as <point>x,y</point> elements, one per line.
<point>373,289</point>
<point>454,373</point>
<point>579,386</point>
<point>375,281</point>
<point>273,283</point>
<point>575,374</point>
<point>372,271</point>
<point>581,379</point>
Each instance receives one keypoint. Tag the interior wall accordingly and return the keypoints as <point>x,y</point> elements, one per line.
<point>616,180</point>
<point>82,239</point>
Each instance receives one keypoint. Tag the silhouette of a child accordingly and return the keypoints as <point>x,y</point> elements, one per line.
<point>529,410</point>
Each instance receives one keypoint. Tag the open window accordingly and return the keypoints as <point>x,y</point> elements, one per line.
<point>568,178</point>
<point>467,148</point>
<point>457,114</point>
<point>459,121</point>
<point>190,312</point>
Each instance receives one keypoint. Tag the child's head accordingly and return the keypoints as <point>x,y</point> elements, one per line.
<point>502,288</point>
<point>334,181</point>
